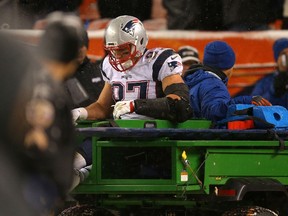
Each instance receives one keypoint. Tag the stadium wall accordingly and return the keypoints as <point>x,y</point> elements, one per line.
<point>254,56</point>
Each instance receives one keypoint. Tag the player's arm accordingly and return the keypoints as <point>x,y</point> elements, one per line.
<point>100,109</point>
<point>174,107</point>
<point>178,81</point>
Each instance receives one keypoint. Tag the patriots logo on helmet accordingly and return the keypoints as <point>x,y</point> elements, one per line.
<point>130,26</point>
<point>173,64</point>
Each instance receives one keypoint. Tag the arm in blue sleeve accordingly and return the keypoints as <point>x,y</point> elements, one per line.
<point>242,100</point>
<point>215,100</point>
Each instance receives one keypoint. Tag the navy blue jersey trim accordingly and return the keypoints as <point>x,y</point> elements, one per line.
<point>160,61</point>
<point>102,71</point>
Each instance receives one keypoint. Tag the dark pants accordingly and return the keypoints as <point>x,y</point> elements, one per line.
<point>85,149</point>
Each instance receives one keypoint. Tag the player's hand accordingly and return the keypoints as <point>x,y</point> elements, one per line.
<point>260,101</point>
<point>79,114</point>
<point>123,107</point>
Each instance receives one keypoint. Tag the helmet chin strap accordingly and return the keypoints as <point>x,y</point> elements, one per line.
<point>127,64</point>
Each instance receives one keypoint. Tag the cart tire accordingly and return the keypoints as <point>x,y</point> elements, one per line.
<point>88,210</point>
<point>250,210</point>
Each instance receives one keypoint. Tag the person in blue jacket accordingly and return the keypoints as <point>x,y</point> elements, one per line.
<point>209,96</point>
<point>274,86</point>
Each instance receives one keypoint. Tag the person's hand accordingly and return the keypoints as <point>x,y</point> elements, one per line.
<point>123,107</point>
<point>79,114</point>
<point>260,101</point>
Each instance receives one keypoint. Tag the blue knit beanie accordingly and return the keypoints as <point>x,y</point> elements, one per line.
<point>218,54</point>
<point>278,46</point>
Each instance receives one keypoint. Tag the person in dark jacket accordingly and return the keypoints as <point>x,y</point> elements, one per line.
<point>22,14</point>
<point>15,65</point>
<point>111,9</point>
<point>209,96</point>
<point>86,84</point>
<point>48,140</point>
<point>37,134</point>
<point>274,86</point>
<point>247,15</point>
<point>203,15</point>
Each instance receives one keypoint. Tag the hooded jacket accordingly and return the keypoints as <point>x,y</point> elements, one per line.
<point>208,93</point>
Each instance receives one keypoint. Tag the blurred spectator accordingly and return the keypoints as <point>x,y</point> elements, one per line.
<point>158,19</point>
<point>37,124</point>
<point>109,9</point>
<point>23,14</point>
<point>247,15</point>
<point>50,139</point>
<point>274,86</point>
<point>15,65</point>
<point>150,12</point>
<point>208,93</point>
<point>193,14</point>
<point>209,15</point>
<point>189,55</point>
<point>112,8</point>
<point>85,85</point>
<point>50,135</point>
<point>13,15</point>
<point>13,201</point>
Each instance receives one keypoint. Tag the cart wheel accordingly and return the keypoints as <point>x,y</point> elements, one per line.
<point>250,211</point>
<point>90,210</point>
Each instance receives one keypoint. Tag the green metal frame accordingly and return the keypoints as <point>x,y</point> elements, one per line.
<point>213,161</point>
<point>222,164</point>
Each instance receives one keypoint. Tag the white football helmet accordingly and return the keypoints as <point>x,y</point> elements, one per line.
<point>125,41</point>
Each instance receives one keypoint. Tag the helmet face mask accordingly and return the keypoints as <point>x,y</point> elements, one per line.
<point>125,42</point>
<point>122,57</point>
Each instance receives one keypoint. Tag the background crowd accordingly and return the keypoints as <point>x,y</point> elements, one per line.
<point>207,15</point>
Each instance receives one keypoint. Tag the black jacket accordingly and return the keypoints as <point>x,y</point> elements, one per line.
<point>85,86</point>
<point>37,133</point>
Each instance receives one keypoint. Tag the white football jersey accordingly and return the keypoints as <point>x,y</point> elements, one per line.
<point>143,81</point>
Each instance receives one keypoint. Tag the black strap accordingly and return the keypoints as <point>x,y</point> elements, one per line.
<point>113,123</point>
<point>262,121</point>
<point>249,113</point>
<point>107,123</point>
<point>276,136</point>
